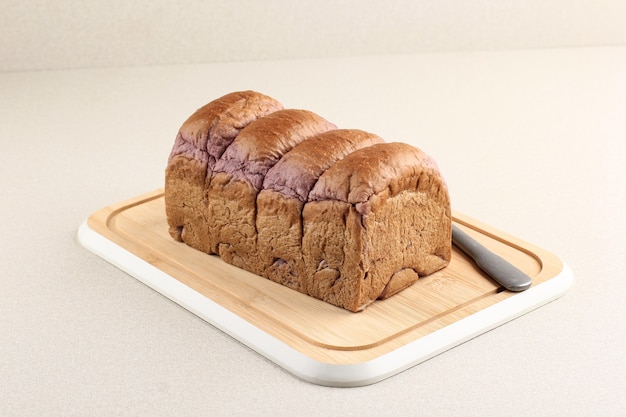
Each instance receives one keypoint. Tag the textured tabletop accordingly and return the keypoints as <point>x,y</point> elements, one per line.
<point>530,142</point>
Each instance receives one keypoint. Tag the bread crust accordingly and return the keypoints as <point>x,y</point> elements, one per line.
<point>200,141</point>
<point>285,191</point>
<point>238,178</point>
<point>337,214</point>
<point>375,221</point>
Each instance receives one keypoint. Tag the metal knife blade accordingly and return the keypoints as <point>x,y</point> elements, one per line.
<point>502,271</point>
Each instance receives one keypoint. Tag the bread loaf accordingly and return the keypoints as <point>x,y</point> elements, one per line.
<point>337,214</point>
<point>285,191</point>
<point>200,142</point>
<point>238,177</point>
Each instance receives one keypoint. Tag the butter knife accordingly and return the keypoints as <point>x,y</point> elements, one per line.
<point>503,272</point>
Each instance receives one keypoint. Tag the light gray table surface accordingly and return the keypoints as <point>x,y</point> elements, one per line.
<point>530,142</point>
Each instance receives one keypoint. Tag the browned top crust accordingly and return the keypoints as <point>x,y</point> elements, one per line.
<point>386,166</point>
<point>214,126</point>
<point>296,173</point>
<point>260,145</point>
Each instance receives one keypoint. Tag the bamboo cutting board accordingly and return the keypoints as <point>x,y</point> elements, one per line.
<point>312,339</point>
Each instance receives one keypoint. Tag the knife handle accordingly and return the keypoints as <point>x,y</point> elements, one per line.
<point>507,275</point>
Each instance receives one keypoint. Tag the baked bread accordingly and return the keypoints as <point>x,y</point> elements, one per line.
<point>200,142</point>
<point>337,214</point>
<point>238,177</point>
<point>375,221</point>
<point>285,191</point>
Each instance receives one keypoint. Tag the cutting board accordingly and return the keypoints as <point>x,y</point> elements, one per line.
<point>314,340</point>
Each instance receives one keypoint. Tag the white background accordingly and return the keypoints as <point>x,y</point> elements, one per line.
<point>43,34</point>
<point>522,104</point>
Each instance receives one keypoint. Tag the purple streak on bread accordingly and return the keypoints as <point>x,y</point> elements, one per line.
<point>213,127</point>
<point>296,173</point>
<point>285,190</point>
<point>265,141</point>
<point>201,140</point>
<point>239,175</point>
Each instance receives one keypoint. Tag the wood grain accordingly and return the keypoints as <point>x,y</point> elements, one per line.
<point>317,329</point>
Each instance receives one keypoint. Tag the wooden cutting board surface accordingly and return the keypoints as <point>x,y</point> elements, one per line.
<point>319,330</point>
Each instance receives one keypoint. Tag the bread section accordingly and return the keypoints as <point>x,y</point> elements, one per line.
<point>337,214</point>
